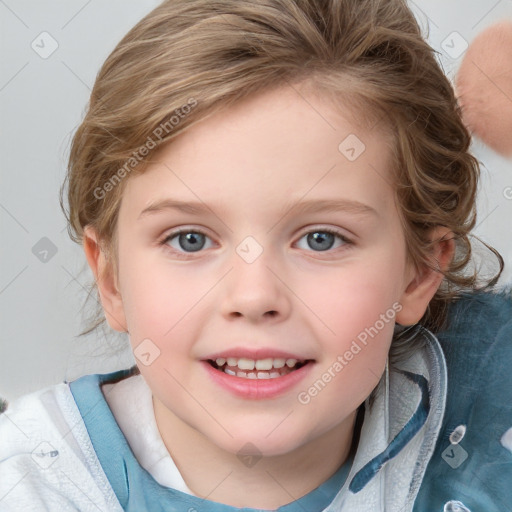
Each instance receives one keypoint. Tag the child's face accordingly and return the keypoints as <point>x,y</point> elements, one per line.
<point>248,167</point>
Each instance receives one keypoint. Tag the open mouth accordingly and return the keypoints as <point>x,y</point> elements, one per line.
<point>270,368</point>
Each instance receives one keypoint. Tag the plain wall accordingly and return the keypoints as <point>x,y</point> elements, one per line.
<point>43,274</point>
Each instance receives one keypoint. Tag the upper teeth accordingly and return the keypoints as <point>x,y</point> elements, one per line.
<point>260,364</point>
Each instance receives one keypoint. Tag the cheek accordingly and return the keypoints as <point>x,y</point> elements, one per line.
<point>357,329</point>
<point>155,294</point>
<point>354,299</point>
<point>357,312</point>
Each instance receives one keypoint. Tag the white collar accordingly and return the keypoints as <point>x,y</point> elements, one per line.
<point>130,401</point>
<point>393,486</point>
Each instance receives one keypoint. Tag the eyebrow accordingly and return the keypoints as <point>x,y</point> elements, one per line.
<point>310,206</point>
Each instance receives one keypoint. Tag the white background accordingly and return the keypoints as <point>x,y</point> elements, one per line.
<point>41,103</point>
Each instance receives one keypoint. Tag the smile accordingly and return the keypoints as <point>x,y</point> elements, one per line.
<point>250,381</point>
<point>269,368</point>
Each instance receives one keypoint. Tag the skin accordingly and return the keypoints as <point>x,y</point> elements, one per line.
<point>250,164</point>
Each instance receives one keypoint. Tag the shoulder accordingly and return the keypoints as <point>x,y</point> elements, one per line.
<point>479,313</point>
<point>477,344</point>
<point>472,463</point>
<point>46,458</point>
<point>29,418</point>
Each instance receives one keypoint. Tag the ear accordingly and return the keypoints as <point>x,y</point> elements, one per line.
<point>423,284</point>
<point>106,281</point>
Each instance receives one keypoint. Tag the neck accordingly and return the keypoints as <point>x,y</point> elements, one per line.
<point>213,473</point>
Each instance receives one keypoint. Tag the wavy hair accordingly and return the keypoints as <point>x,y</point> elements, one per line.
<point>218,52</point>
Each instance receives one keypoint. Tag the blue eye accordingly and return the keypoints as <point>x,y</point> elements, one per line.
<point>188,241</point>
<point>323,239</point>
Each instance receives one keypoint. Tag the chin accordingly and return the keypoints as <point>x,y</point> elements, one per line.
<point>248,443</point>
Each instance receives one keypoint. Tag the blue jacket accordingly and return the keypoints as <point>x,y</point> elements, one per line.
<point>476,471</point>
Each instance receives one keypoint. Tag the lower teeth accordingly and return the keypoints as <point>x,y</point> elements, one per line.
<point>254,375</point>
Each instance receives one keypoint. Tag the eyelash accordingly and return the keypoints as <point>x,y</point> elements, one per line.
<point>184,255</point>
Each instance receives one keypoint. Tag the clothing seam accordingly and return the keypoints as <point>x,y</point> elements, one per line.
<point>79,431</point>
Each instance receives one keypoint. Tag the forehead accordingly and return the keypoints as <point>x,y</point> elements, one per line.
<point>280,145</point>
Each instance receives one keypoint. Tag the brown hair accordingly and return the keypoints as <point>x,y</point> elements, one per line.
<point>207,55</point>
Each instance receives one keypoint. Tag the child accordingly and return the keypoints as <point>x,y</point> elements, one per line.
<point>273,373</point>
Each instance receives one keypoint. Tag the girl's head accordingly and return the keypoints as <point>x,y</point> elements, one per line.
<point>248,109</point>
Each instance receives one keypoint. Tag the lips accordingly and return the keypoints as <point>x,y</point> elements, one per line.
<point>257,373</point>
<point>257,384</point>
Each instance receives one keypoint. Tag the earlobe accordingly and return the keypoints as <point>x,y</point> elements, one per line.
<point>425,282</point>
<point>108,291</point>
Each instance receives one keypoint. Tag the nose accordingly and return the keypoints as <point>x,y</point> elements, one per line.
<point>256,291</point>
